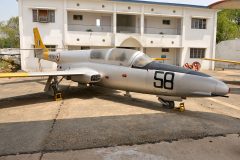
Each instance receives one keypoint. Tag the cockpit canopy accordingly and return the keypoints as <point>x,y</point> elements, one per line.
<point>119,56</point>
<point>135,59</point>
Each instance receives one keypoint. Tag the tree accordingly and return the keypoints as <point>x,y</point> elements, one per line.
<point>228,25</point>
<point>9,33</point>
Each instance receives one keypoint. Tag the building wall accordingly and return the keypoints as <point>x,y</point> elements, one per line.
<point>199,38</point>
<point>89,22</point>
<point>154,25</point>
<point>157,53</point>
<point>228,50</point>
<point>178,36</point>
<point>52,33</point>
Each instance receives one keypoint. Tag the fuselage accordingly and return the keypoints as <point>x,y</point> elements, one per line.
<point>132,70</point>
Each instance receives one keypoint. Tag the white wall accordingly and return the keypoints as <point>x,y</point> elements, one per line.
<point>228,50</point>
<point>89,22</point>
<point>52,33</point>
<point>163,10</point>
<point>198,38</point>
<point>157,53</point>
<point>90,5</point>
<point>154,25</point>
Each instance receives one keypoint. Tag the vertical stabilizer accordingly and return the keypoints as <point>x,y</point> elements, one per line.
<point>41,51</point>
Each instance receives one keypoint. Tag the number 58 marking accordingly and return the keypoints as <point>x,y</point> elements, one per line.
<point>167,82</point>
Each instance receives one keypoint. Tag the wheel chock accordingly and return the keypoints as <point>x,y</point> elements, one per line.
<point>181,107</point>
<point>58,97</point>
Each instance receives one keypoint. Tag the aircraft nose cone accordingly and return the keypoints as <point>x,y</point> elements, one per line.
<point>221,88</point>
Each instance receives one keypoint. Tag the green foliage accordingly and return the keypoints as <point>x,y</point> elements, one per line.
<point>9,33</point>
<point>228,25</point>
<point>8,66</point>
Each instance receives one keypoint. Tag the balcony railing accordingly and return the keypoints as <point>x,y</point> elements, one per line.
<point>123,29</point>
<point>89,38</point>
<point>127,29</point>
<point>89,28</point>
<point>163,31</point>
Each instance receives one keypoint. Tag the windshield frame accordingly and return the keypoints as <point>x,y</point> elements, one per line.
<point>127,62</point>
<point>138,57</point>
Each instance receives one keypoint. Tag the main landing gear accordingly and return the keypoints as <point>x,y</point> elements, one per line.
<point>171,105</point>
<point>52,87</point>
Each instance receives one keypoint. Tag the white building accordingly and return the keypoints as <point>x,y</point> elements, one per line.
<point>181,33</point>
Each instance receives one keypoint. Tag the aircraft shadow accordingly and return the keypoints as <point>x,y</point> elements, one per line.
<point>42,97</point>
<point>106,131</point>
<point>235,90</point>
<point>81,93</point>
<point>232,82</point>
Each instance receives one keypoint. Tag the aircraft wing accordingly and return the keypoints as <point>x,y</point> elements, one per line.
<point>222,60</point>
<point>83,73</point>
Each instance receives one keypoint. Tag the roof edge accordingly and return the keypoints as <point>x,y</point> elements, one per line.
<point>163,3</point>
<point>217,3</point>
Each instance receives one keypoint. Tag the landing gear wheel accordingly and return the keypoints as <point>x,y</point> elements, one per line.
<point>56,93</point>
<point>169,104</point>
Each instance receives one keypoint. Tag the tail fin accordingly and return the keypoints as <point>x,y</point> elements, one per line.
<point>42,52</point>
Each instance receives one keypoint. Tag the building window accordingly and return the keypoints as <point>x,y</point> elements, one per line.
<point>78,17</point>
<point>165,49</point>
<point>198,23</point>
<point>52,48</point>
<point>166,22</point>
<point>197,52</point>
<point>43,15</point>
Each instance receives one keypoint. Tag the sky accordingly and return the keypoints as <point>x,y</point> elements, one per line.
<point>9,8</point>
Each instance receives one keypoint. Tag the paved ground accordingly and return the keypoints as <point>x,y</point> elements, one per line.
<point>32,126</point>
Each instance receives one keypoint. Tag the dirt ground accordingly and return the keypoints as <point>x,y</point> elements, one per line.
<point>99,123</point>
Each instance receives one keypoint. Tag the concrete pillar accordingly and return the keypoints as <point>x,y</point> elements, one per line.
<point>142,21</point>
<point>184,49</point>
<point>115,19</point>
<point>65,23</point>
<point>114,22</point>
<point>23,53</point>
<point>214,40</point>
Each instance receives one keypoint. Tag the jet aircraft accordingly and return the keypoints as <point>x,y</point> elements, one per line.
<point>124,69</point>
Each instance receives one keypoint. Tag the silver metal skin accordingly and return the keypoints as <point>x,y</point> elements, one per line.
<point>116,70</point>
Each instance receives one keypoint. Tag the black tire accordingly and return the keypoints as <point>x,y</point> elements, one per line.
<point>169,104</point>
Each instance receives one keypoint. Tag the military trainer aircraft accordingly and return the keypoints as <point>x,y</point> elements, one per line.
<point>124,69</point>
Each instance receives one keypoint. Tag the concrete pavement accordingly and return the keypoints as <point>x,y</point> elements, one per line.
<point>34,126</point>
